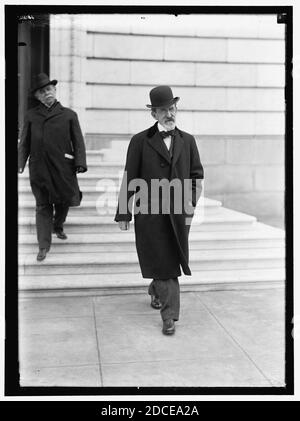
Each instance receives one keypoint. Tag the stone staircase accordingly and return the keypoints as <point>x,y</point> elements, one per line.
<point>228,249</point>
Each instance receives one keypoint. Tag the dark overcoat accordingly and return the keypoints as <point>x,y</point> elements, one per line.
<point>161,237</point>
<point>50,138</point>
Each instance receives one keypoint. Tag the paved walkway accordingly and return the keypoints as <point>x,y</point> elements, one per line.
<point>223,338</point>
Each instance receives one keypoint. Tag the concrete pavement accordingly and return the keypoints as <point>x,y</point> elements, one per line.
<point>223,339</point>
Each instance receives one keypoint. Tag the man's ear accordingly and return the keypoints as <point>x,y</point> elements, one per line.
<point>153,113</point>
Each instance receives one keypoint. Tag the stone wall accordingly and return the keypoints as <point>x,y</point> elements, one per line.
<point>227,70</point>
<point>246,174</point>
<point>68,62</point>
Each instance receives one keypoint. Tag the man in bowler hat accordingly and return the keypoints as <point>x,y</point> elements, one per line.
<point>161,153</point>
<point>52,139</point>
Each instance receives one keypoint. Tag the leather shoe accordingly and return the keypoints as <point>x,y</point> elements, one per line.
<point>155,303</point>
<point>41,254</point>
<point>168,327</point>
<point>60,234</point>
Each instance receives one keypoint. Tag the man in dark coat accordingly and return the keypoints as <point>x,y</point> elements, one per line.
<point>52,139</point>
<point>167,157</point>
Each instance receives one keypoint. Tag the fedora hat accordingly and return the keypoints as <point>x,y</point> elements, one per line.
<point>161,96</point>
<point>42,80</point>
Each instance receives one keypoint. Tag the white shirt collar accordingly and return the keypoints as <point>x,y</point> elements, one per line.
<point>161,128</point>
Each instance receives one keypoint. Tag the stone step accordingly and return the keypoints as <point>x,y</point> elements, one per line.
<point>92,191</point>
<point>94,168</point>
<point>86,179</point>
<point>127,262</point>
<point>96,155</point>
<point>117,152</point>
<point>110,283</point>
<point>88,192</point>
<point>263,236</point>
<point>91,185</point>
<point>108,206</point>
<point>98,192</point>
<point>225,220</point>
<point>195,244</point>
<point>99,141</point>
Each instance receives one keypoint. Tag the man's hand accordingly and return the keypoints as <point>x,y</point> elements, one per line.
<point>124,225</point>
<point>80,169</point>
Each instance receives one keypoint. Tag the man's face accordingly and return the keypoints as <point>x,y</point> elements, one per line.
<point>166,116</point>
<point>46,95</point>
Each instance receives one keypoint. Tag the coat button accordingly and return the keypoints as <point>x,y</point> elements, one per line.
<point>162,164</point>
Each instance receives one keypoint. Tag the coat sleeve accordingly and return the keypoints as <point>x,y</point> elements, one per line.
<point>24,144</point>
<point>78,143</point>
<point>128,186</point>
<point>196,172</point>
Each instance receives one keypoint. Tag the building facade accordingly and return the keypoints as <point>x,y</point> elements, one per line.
<point>228,71</point>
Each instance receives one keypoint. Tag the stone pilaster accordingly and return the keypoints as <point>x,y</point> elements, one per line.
<point>68,61</point>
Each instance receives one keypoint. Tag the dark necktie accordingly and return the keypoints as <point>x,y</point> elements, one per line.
<point>167,134</point>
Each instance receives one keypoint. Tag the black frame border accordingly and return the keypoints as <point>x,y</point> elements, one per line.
<point>12,387</point>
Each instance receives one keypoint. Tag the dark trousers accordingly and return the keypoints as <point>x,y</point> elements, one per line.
<point>46,221</point>
<point>168,292</point>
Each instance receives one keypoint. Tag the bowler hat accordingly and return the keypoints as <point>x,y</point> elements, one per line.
<point>161,96</point>
<point>42,80</point>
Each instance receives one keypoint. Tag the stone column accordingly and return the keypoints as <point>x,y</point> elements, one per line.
<point>68,39</point>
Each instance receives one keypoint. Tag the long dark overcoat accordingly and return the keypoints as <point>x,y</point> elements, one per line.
<point>50,137</point>
<point>161,237</point>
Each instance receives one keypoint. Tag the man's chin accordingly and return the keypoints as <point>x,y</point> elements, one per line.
<point>170,125</point>
<point>49,103</point>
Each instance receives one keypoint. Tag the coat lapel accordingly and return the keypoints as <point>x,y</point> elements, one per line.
<point>178,144</point>
<point>42,110</point>
<point>156,142</point>
<point>57,109</point>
